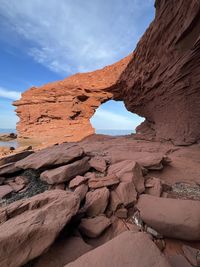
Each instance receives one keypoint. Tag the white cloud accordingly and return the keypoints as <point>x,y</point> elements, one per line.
<point>75,35</point>
<point>104,119</point>
<point>13,95</point>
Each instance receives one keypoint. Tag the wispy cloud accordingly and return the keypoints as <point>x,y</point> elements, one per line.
<point>12,95</point>
<point>75,35</point>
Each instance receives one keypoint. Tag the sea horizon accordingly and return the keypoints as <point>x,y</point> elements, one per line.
<point>111,132</point>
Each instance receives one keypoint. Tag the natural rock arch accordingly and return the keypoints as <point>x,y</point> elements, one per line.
<point>159,81</point>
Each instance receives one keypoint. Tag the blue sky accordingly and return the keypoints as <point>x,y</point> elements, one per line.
<point>44,41</point>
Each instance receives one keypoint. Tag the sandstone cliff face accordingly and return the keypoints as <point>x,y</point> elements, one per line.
<point>61,111</point>
<point>162,81</point>
<point>159,81</point>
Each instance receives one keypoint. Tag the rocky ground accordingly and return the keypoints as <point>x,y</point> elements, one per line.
<point>104,201</point>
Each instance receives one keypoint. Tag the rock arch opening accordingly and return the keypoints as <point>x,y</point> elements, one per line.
<point>112,118</point>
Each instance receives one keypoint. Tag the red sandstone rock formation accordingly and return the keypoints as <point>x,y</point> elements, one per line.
<point>61,111</point>
<point>160,81</point>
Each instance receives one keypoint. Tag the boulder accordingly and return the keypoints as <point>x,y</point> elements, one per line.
<point>5,190</point>
<point>7,137</point>
<point>65,173</point>
<point>15,157</point>
<point>126,193</point>
<point>81,191</point>
<point>173,218</point>
<point>51,156</point>
<point>77,181</point>
<point>128,171</point>
<point>117,227</point>
<point>115,201</point>
<point>103,181</point>
<point>29,226</point>
<point>98,163</point>
<point>153,187</point>
<point>128,249</point>
<point>94,227</point>
<point>16,187</point>
<point>8,168</point>
<point>63,251</point>
<point>155,161</point>
<point>96,201</point>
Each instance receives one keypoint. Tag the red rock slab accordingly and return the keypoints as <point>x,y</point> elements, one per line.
<point>98,163</point>
<point>8,168</point>
<point>128,249</point>
<point>29,226</point>
<point>127,193</point>
<point>171,217</point>
<point>94,227</point>
<point>65,173</point>
<point>96,201</point>
<point>77,181</point>
<point>5,190</point>
<point>15,157</point>
<point>63,251</point>
<point>178,261</point>
<point>16,187</point>
<point>153,187</point>
<point>81,191</point>
<point>128,171</point>
<point>103,181</point>
<point>51,156</point>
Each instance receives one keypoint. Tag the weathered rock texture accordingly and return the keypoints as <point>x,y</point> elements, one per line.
<point>29,227</point>
<point>61,111</point>
<point>159,81</point>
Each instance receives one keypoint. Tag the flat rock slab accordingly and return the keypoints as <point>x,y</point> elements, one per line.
<point>128,171</point>
<point>98,163</point>
<point>28,227</point>
<point>15,157</point>
<point>8,168</point>
<point>63,251</point>
<point>5,190</point>
<point>81,191</point>
<point>153,187</point>
<point>96,201</point>
<point>78,180</point>
<point>65,173</point>
<point>94,227</point>
<point>103,181</point>
<point>128,249</point>
<point>173,218</point>
<point>51,156</point>
<point>126,193</point>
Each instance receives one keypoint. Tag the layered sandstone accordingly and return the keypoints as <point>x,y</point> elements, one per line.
<point>61,111</point>
<point>159,81</point>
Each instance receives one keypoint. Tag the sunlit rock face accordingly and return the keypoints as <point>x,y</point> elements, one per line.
<point>61,111</point>
<point>159,81</point>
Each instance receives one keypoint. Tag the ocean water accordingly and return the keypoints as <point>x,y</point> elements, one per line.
<point>10,143</point>
<point>114,132</point>
<point>98,131</point>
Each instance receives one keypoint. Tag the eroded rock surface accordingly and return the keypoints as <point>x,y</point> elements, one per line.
<point>29,227</point>
<point>159,81</point>
<point>171,217</point>
<point>125,250</point>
